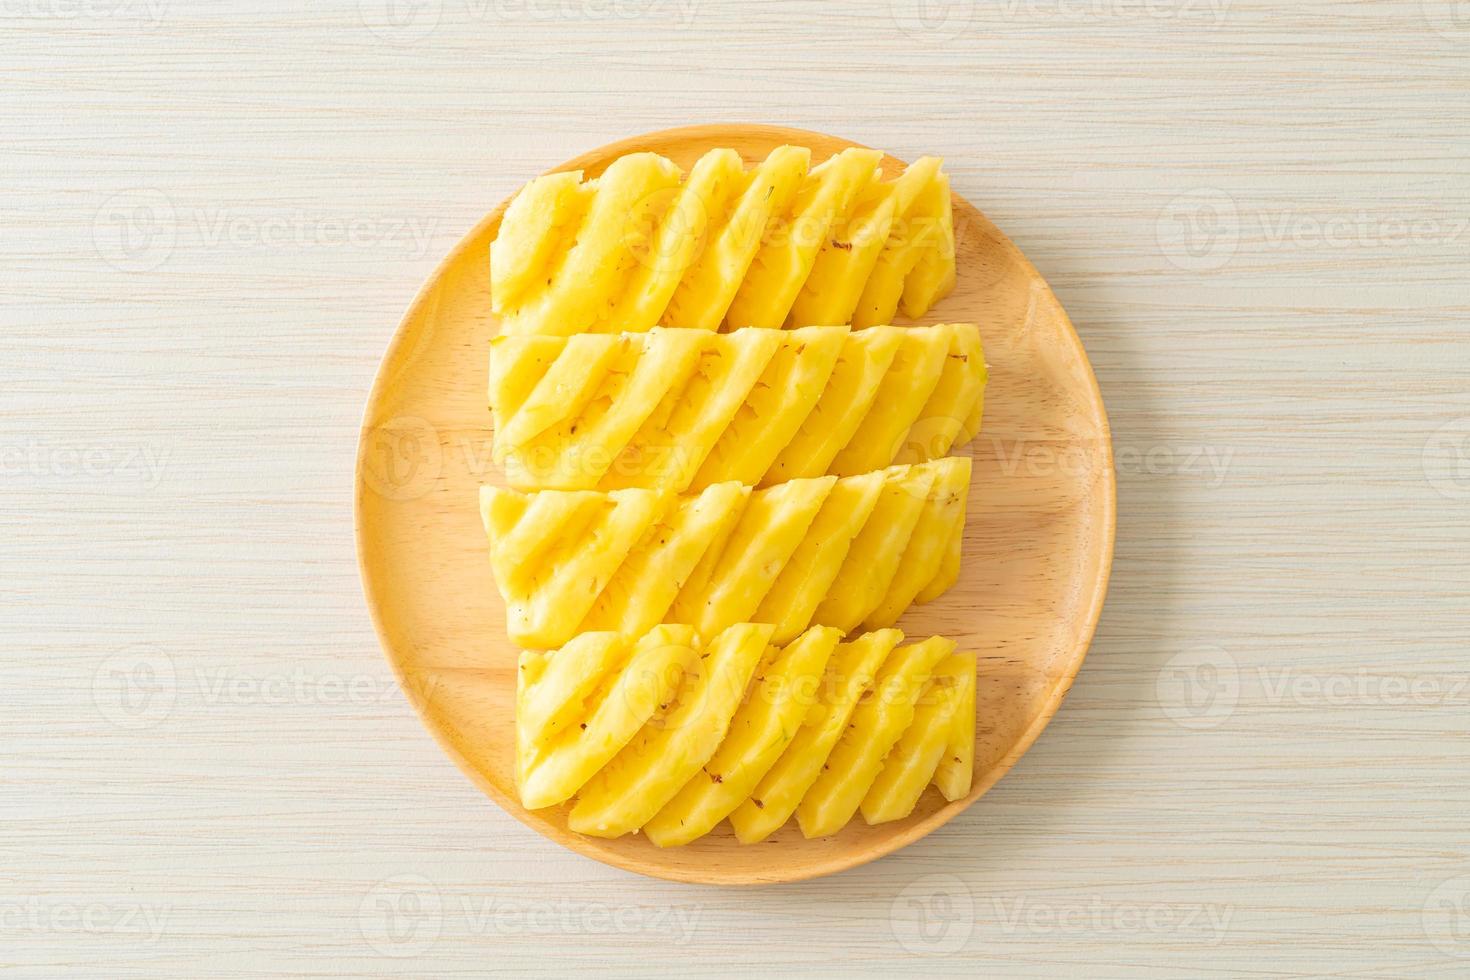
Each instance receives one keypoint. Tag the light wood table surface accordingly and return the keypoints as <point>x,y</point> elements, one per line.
<point>1257,214</point>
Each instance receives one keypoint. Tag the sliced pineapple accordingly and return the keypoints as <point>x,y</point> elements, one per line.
<point>534,234</point>
<point>729,582</point>
<point>680,409</point>
<point>851,673</point>
<point>670,749</point>
<point>876,726</point>
<point>552,553</point>
<point>873,559</point>
<point>941,523</point>
<point>824,550</point>
<point>704,295</point>
<point>625,698</point>
<point>671,445</point>
<point>805,579</point>
<point>908,241</point>
<point>912,763</point>
<point>956,767</point>
<point>679,241</point>
<point>785,258</point>
<point>788,687</point>
<point>845,260</point>
<point>644,586</point>
<point>911,379</point>
<point>933,276</point>
<point>628,201</point>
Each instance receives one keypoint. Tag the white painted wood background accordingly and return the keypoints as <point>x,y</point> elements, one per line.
<point>212,216</point>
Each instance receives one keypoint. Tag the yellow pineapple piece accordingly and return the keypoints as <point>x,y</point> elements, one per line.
<point>788,687</point>
<point>808,574</point>
<point>593,433</point>
<point>569,370</point>
<point>860,369</point>
<point>785,258</point>
<point>851,673</point>
<point>709,284</point>
<point>956,767</point>
<point>905,389</point>
<point>949,569</point>
<point>873,559</point>
<point>911,236</point>
<point>846,259</point>
<point>912,762</point>
<point>554,551</point>
<point>735,574</point>
<point>775,407</point>
<point>629,196</point>
<point>933,276</point>
<point>668,751</point>
<point>941,521</point>
<point>533,235</point>
<point>680,238</point>
<point>552,689</point>
<point>624,700</point>
<point>876,726</point>
<point>958,396</point>
<point>645,585</point>
<point>671,445</point>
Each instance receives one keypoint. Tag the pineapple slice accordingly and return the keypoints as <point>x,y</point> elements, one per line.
<point>533,233</point>
<point>551,691</point>
<point>675,409</point>
<point>762,728</point>
<point>941,522</point>
<point>872,561</point>
<point>680,238</point>
<point>876,726</point>
<point>910,765</point>
<point>630,196</point>
<point>933,276</point>
<point>671,445</point>
<point>624,699</point>
<point>906,388</point>
<point>850,675</point>
<point>785,258</point>
<point>832,290</point>
<point>956,768</point>
<point>670,749</point>
<point>958,397</point>
<point>949,569</point>
<point>730,581</point>
<point>807,575</point>
<point>552,553</point>
<point>826,550</point>
<point>704,295</point>
<point>785,395</point>
<point>644,587</point>
<point>908,241</point>
<point>860,369</point>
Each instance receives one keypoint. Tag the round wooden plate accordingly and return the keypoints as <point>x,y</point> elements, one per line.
<point>1038,543</point>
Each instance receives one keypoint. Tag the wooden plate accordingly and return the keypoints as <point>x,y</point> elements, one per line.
<point>1038,543</point>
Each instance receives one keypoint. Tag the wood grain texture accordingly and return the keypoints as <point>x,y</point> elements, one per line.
<point>1255,215</point>
<point>1037,546</point>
